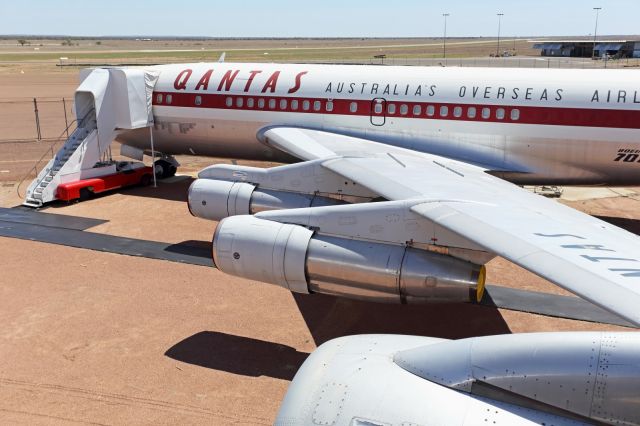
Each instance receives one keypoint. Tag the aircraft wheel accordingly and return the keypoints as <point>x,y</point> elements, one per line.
<point>85,194</point>
<point>165,169</point>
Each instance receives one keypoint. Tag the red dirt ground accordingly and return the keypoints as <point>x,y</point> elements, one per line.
<point>99,338</point>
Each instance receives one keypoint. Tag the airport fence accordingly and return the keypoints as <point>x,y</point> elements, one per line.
<point>31,131</point>
<point>35,119</point>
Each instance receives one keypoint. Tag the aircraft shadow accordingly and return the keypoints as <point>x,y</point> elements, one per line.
<point>238,355</point>
<point>166,190</point>
<point>328,317</point>
<point>192,248</point>
<point>631,225</point>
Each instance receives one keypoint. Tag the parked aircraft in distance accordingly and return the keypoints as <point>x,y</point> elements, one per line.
<point>403,179</point>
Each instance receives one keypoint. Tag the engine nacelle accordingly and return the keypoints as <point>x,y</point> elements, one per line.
<point>292,257</point>
<point>592,375</point>
<point>217,199</point>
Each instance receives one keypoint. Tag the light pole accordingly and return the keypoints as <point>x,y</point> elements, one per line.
<point>595,32</point>
<point>444,39</point>
<point>500,15</point>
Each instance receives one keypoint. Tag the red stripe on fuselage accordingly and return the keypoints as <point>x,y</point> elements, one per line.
<point>581,117</point>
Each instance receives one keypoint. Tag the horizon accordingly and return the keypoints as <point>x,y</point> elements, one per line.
<point>199,37</point>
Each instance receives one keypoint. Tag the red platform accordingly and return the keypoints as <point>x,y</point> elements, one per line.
<point>71,190</point>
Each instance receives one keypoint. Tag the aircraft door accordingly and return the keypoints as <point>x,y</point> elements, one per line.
<point>378,111</point>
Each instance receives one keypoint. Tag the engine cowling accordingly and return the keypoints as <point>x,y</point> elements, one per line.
<point>293,257</point>
<point>216,199</point>
<point>592,375</point>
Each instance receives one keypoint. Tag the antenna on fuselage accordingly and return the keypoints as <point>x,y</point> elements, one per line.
<point>221,58</point>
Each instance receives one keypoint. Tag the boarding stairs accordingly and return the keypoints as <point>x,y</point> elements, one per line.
<point>107,102</point>
<point>62,166</point>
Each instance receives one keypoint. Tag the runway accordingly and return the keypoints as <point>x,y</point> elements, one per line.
<point>71,231</point>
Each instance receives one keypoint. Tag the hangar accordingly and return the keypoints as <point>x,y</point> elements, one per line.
<point>585,48</point>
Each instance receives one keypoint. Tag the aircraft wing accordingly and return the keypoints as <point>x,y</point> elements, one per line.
<point>578,252</point>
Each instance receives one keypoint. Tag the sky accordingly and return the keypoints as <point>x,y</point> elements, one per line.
<point>324,18</point>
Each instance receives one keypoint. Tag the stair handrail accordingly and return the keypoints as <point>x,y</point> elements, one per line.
<point>81,123</point>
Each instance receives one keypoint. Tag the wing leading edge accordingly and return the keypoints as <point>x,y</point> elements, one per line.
<point>582,254</point>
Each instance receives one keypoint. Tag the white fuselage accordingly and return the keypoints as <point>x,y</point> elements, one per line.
<point>527,125</point>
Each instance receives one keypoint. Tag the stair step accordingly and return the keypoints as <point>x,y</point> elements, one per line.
<point>48,178</point>
<point>38,190</point>
<point>32,203</point>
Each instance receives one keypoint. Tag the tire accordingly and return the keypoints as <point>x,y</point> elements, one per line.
<point>165,169</point>
<point>85,194</point>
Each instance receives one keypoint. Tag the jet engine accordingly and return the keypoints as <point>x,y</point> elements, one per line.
<point>216,199</point>
<point>293,257</point>
<point>560,379</point>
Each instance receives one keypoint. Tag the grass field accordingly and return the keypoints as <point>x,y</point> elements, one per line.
<point>41,55</point>
<point>286,50</point>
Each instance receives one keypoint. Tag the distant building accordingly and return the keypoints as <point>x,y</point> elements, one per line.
<point>584,48</point>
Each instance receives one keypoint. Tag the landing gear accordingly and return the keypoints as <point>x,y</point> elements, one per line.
<point>164,169</point>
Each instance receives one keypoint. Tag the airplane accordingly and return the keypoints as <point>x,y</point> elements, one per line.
<point>570,378</point>
<point>400,183</point>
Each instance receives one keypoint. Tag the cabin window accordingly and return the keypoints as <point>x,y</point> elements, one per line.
<point>283,104</point>
<point>329,106</point>
<point>159,98</point>
<point>431,110</point>
<point>198,100</point>
<point>515,114</point>
<point>486,113</point>
<point>500,113</point>
<point>306,105</point>
<point>294,105</point>
<point>239,102</point>
<point>249,102</point>
<point>317,105</point>
<point>471,112</point>
<point>457,112</point>
<point>169,99</point>
<point>229,101</point>
<point>391,109</point>
<point>404,109</point>
<point>272,104</point>
<point>417,110</point>
<point>261,103</point>
<point>444,111</point>
<point>353,107</point>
